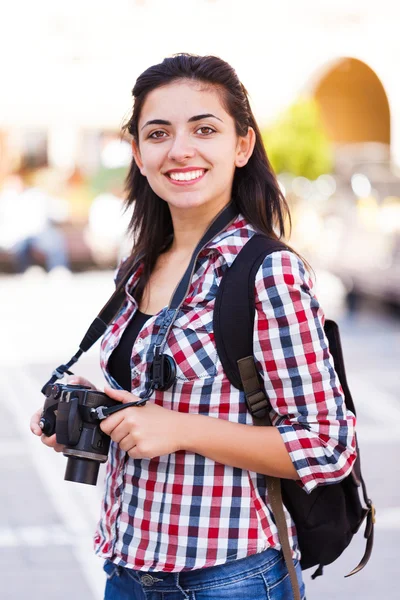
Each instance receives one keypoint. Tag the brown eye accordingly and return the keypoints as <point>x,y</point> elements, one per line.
<point>206,130</point>
<point>157,135</point>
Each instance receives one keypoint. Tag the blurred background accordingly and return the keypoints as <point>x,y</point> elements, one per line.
<point>323,83</point>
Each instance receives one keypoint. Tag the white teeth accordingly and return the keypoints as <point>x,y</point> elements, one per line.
<point>186,176</point>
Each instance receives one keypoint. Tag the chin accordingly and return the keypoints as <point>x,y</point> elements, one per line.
<point>187,201</point>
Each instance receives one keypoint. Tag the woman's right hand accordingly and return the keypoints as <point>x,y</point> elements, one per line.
<point>47,441</point>
<point>35,427</point>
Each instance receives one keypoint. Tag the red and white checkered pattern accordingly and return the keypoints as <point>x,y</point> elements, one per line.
<point>183,511</point>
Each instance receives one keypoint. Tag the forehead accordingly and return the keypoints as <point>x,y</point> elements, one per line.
<point>180,100</point>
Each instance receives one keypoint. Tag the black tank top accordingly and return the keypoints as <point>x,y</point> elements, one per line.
<point>119,363</point>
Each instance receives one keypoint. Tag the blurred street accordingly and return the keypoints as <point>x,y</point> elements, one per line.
<point>46,524</point>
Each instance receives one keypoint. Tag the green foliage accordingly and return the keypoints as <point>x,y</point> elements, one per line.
<point>297,143</point>
<point>108,180</point>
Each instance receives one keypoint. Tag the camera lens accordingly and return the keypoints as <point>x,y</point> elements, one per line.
<point>82,470</point>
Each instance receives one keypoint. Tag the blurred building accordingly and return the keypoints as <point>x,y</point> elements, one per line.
<point>67,68</point>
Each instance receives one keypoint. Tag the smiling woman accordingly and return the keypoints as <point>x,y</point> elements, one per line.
<point>189,155</point>
<point>186,512</point>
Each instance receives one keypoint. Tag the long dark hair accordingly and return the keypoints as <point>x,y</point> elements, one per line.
<point>255,190</point>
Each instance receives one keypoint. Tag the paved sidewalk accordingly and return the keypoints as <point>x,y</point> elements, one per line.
<point>46,524</point>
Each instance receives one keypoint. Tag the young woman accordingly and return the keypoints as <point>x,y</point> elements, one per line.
<point>186,513</point>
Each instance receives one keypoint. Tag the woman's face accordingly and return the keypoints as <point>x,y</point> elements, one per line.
<point>188,147</point>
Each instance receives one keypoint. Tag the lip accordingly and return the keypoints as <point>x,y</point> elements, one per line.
<point>186,170</point>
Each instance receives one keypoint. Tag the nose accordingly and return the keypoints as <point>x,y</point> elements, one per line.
<point>181,148</point>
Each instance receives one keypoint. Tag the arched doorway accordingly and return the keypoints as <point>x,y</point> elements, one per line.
<point>353,104</point>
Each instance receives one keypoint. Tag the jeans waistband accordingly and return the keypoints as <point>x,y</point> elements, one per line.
<point>200,578</point>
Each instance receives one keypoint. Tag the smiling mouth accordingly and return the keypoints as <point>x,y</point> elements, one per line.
<point>185,177</point>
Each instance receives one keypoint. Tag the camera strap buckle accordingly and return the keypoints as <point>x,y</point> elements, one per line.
<point>105,411</point>
<point>60,371</point>
<point>100,412</point>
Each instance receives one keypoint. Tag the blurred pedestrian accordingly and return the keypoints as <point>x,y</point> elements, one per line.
<point>30,225</point>
<point>186,513</point>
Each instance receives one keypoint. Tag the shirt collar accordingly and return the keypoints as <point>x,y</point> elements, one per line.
<point>227,243</point>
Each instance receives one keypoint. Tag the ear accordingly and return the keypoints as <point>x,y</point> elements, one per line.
<point>245,148</point>
<point>137,157</point>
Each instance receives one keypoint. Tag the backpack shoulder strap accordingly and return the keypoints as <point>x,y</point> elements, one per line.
<point>233,329</point>
<point>332,333</point>
<point>235,305</point>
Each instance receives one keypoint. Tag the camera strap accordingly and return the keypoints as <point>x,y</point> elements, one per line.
<point>96,329</point>
<point>113,305</point>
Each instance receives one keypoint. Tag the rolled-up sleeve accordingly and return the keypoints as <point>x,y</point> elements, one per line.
<point>292,355</point>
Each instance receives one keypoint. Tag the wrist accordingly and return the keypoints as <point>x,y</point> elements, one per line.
<point>188,429</point>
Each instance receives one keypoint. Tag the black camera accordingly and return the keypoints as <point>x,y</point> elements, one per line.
<point>73,413</point>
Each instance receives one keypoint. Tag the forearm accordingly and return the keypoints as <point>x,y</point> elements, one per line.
<point>258,449</point>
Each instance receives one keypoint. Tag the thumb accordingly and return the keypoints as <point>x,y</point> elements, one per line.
<point>78,380</point>
<point>119,395</point>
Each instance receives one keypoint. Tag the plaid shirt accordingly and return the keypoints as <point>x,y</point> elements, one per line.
<point>183,511</point>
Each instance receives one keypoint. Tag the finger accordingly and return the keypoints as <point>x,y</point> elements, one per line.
<point>58,448</point>
<point>34,423</point>
<point>74,380</point>
<point>120,432</point>
<point>134,453</point>
<point>127,443</point>
<point>120,395</point>
<point>110,423</point>
<point>78,380</point>
<point>51,442</point>
<point>36,429</point>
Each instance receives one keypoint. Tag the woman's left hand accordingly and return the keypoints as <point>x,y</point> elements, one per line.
<point>144,431</point>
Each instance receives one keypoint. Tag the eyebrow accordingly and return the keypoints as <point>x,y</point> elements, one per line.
<point>191,120</point>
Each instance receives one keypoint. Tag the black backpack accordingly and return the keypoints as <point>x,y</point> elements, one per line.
<point>328,517</point>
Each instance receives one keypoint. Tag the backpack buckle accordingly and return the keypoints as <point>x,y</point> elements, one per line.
<point>373,513</point>
<point>257,404</point>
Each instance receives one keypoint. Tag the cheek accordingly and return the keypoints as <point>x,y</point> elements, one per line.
<point>151,162</point>
<point>225,154</point>
<point>152,170</point>
<point>228,165</point>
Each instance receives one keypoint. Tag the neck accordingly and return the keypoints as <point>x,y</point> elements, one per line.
<point>190,226</point>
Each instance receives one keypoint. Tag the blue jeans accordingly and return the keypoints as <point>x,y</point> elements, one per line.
<point>256,577</point>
